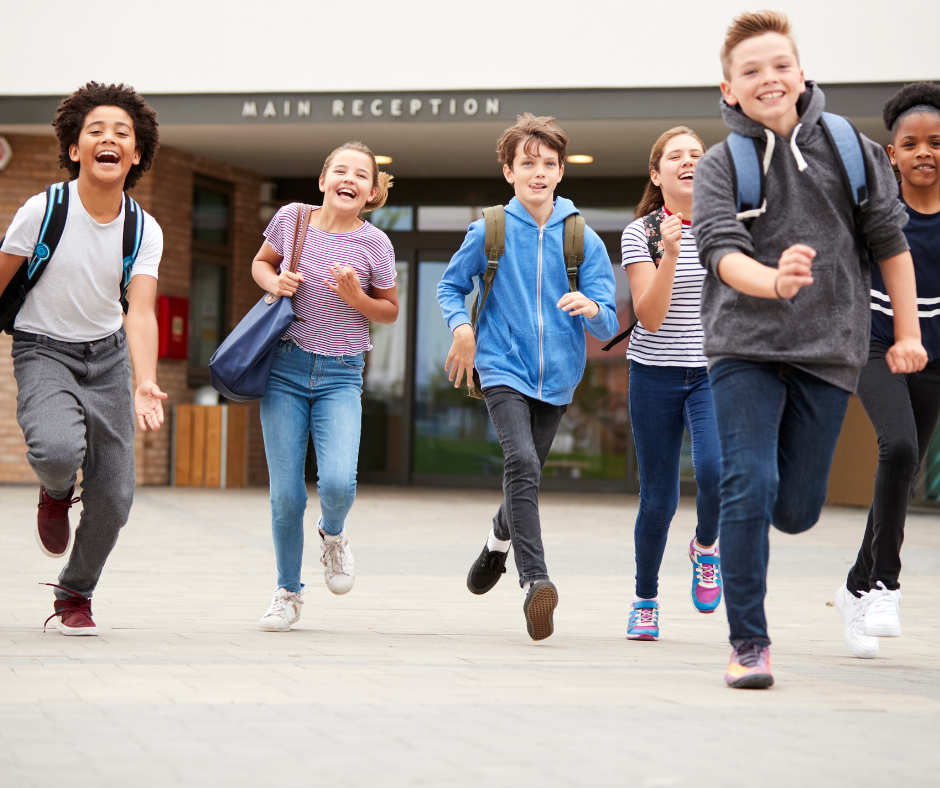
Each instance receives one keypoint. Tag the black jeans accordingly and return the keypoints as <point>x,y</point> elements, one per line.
<point>904,411</point>
<point>526,428</point>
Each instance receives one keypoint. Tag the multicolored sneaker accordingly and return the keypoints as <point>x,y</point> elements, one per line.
<point>749,667</point>
<point>644,620</point>
<point>706,580</point>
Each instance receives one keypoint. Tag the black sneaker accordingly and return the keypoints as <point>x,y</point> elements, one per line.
<point>486,571</point>
<point>539,606</point>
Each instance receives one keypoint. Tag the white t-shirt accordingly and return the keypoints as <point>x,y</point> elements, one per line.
<point>77,299</point>
<point>678,343</point>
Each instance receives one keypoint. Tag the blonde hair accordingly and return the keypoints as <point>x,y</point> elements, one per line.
<point>380,180</point>
<point>531,131</point>
<point>653,198</point>
<point>754,24</point>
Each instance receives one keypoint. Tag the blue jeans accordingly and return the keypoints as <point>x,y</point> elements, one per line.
<point>664,402</point>
<point>778,428</point>
<point>310,394</point>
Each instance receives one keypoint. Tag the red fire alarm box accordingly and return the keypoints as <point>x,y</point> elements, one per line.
<point>173,327</point>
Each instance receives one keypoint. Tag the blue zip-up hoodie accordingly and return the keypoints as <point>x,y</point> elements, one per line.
<point>523,339</point>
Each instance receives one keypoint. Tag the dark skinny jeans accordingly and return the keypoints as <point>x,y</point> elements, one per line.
<point>904,410</point>
<point>526,428</point>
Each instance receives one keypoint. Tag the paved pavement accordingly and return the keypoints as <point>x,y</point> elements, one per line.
<point>411,680</point>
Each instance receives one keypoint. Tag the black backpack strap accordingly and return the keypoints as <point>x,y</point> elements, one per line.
<point>574,248</point>
<point>130,247</point>
<point>50,233</point>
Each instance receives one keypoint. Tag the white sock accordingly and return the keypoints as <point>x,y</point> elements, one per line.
<point>495,545</point>
<point>525,587</point>
<point>704,550</point>
<point>645,599</point>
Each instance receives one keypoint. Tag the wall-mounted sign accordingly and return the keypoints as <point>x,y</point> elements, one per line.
<point>351,108</point>
<point>6,153</point>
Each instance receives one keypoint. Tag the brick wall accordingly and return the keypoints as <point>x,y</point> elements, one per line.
<point>166,193</point>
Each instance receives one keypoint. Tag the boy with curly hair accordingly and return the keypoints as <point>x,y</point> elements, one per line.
<point>75,402</point>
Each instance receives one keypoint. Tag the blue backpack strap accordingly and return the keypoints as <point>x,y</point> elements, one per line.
<point>748,176</point>
<point>130,248</point>
<point>845,139</point>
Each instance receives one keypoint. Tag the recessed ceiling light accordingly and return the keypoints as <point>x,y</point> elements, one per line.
<point>383,159</point>
<point>578,158</point>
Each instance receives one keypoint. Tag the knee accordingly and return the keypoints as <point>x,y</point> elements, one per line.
<point>522,466</point>
<point>55,462</point>
<point>657,507</point>
<point>337,492</point>
<point>901,458</point>
<point>287,503</point>
<point>749,496</point>
<point>797,515</point>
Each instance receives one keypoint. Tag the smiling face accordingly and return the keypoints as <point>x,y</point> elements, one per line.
<point>534,175</point>
<point>765,79</point>
<point>347,184</point>
<point>915,150</point>
<point>106,148</point>
<point>677,168</point>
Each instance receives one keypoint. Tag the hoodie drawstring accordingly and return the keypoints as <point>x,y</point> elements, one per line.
<point>800,161</point>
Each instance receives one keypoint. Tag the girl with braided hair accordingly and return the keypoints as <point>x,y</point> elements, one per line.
<point>904,408</point>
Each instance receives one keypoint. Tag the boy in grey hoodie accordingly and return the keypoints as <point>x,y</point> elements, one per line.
<point>785,309</point>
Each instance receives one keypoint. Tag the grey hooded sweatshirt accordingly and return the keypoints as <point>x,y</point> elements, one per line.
<point>825,328</point>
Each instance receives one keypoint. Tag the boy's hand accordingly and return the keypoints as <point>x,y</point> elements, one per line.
<point>148,405</point>
<point>578,304</point>
<point>461,355</point>
<point>794,271</point>
<point>347,284</point>
<point>287,284</point>
<point>671,231</point>
<point>906,356</point>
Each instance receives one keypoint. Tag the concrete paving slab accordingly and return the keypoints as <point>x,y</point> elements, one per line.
<point>412,681</point>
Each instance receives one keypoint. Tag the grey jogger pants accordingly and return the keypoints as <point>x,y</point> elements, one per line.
<point>75,406</point>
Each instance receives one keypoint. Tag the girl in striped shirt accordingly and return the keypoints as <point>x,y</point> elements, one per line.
<point>345,278</point>
<point>669,388</point>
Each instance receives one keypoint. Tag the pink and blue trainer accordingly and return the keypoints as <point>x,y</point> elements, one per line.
<point>644,620</point>
<point>706,579</point>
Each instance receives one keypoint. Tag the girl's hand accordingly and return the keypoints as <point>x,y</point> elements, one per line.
<point>347,285</point>
<point>794,271</point>
<point>148,405</point>
<point>906,356</point>
<point>671,231</point>
<point>461,354</point>
<point>287,284</point>
<point>578,304</point>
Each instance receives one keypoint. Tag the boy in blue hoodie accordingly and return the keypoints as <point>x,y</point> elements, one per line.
<point>530,349</point>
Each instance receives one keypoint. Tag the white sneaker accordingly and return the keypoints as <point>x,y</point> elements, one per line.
<point>852,610</point>
<point>883,613</point>
<point>284,611</point>
<point>340,572</point>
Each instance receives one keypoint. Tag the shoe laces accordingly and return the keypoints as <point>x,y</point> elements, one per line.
<point>58,509</point>
<point>495,561</point>
<point>706,573</point>
<point>646,616</point>
<point>882,600</point>
<point>334,556</point>
<point>749,653</point>
<point>76,603</point>
<point>282,600</point>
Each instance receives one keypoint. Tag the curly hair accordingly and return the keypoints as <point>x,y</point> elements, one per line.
<point>916,98</point>
<point>71,114</point>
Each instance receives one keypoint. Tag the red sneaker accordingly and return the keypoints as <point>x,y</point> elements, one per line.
<point>53,532</point>
<point>74,614</point>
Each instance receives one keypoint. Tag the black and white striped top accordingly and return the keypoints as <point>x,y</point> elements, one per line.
<point>330,326</point>
<point>678,343</point>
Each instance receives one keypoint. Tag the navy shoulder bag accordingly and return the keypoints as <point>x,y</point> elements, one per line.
<point>240,368</point>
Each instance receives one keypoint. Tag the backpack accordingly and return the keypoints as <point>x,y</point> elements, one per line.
<point>652,223</point>
<point>50,233</point>
<point>750,164</point>
<point>494,247</point>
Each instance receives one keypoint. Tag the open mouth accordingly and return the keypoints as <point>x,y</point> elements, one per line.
<point>537,187</point>
<point>107,157</point>
<point>771,96</point>
<point>686,177</point>
<point>346,194</point>
<point>926,167</point>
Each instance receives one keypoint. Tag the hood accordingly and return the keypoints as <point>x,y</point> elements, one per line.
<point>810,107</point>
<point>563,209</point>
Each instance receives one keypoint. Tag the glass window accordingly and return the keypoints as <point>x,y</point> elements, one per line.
<point>444,218</point>
<point>207,313</point>
<point>210,216</point>
<point>383,389</point>
<point>452,433</point>
<point>393,218</point>
<point>932,466</point>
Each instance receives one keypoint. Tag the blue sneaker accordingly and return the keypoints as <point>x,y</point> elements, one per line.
<point>706,580</point>
<point>644,621</point>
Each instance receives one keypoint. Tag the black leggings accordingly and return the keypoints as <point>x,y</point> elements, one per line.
<point>904,411</point>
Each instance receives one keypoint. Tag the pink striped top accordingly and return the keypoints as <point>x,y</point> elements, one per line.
<point>330,326</point>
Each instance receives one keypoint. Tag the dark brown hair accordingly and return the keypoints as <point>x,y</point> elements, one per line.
<point>380,180</point>
<point>531,131</point>
<point>913,99</point>
<point>653,195</point>
<point>755,24</point>
<point>71,114</point>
